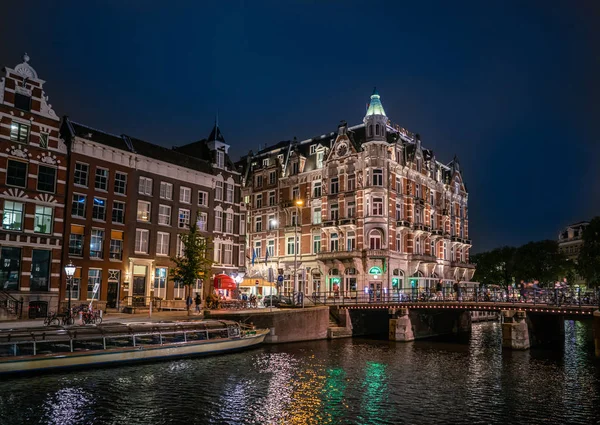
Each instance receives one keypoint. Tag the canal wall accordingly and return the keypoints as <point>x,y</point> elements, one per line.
<point>597,332</point>
<point>287,325</point>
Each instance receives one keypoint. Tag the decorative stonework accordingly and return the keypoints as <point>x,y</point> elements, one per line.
<point>25,70</point>
<point>46,108</point>
<point>17,151</point>
<point>48,159</point>
<point>15,193</point>
<point>44,197</point>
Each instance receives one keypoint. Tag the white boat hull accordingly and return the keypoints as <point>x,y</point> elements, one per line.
<point>25,364</point>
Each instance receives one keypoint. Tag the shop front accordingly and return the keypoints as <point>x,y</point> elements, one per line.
<point>225,286</point>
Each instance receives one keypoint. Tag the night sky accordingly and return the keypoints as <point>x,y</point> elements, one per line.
<point>512,90</point>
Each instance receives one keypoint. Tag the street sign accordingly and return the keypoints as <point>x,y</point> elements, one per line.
<point>280,278</point>
<point>256,282</point>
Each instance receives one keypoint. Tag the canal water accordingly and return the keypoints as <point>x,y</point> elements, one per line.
<point>350,381</point>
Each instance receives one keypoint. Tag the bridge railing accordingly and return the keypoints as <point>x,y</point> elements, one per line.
<point>537,296</point>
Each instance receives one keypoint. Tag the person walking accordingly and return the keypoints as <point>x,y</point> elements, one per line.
<point>198,301</point>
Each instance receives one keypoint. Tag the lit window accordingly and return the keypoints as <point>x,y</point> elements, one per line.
<point>229,193</point>
<point>166,190</point>
<point>164,215</point>
<point>184,218</point>
<point>202,199</point>
<point>162,243</point>
<point>96,243</point>
<point>185,195</point>
<point>219,191</point>
<point>13,216</point>
<point>218,221</point>
<point>19,132</point>
<point>99,209</point>
<point>141,241</point>
<point>78,206</point>
<point>145,186</point>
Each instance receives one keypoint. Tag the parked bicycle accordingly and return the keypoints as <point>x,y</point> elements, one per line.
<point>55,319</point>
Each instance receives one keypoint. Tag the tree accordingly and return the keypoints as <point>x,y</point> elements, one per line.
<point>588,261</point>
<point>540,261</point>
<point>494,267</point>
<point>194,264</point>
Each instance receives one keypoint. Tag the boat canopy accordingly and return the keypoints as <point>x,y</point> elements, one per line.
<point>108,330</point>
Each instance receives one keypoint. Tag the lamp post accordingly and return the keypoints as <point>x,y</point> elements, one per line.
<point>299,203</point>
<point>69,271</point>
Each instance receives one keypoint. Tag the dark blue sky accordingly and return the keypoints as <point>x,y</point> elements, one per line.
<point>512,90</point>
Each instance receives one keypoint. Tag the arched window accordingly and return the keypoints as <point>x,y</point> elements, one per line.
<point>377,129</point>
<point>334,242</point>
<point>371,130</point>
<point>334,272</point>
<point>375,239</point>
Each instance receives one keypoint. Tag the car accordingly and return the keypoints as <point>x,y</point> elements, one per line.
<point>276,300</point>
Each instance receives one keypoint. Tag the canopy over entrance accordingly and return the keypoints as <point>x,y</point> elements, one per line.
<point>222,281</point>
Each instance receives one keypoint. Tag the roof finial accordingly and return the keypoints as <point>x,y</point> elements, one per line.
<point>25,57</point>
<point>375,92</point>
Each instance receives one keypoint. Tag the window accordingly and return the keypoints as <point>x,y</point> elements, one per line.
<point>446,254</point>
<point>96,243</point>
<point>219,191</point>
<point>99,209</point>
<point>141,241</point>
<point>228,192</point>
<point>43,219</point>
<point>19,132</point>
<point>258,224</point>
<point>350,241</point>
<point>46,179</point>
<point>40,270</point>
<point>179,248</point>
<point>23,102</point>
<point>316,244</point>
<point>259,201</point>
<point>228,223</point>
<point>375,239</point>
<point>334,186</point>
<point>290,245</point>
<point>164,215</point>
<point>334,242</point>
<point>118,212</point>
<point>259,181</point>
<point>220,159</point>
<point>78,206</point>
<point>351,209</point>
<point>272,198</point>
<point>179,290</point>
<point>296,193</point>
<point>399,214</point>
<point>101,181</point>
<point>377,206</point>
<point>271,222</point>
<point>265,162</point>
<point>227,253</point>
<point>166,190</point>
<point>398,185</point>
<point>202,198</point>
<point>10,267</point>
<point>143,211</point>
<point>218,252</point>
<point>162,243</point>
<point>94,283</point>
<point>313,149</point>
<point>351,182</point>
<point>202,222</point>
<point>432,248</point>
<point>120,183</point>
<point>316,215</point>
<point>43,140</point>
<point>376,129</point>
<point>185,195</point>
<point>16,173</point>
<point>418,246</point>
<point>334,212</point>
<point>280,157</point>
<point>320,156</point>
<point>184,218</point>
<point>257,250</point>
<point>370,130</point>
<point>377,177</point>
<point>417,190</point>
<point>218,221</point>
<point>294,168</point>
<point>272,177</point>
<point>80,177</point>
<point>418,215</point>
<point>242,225</point>
<point>116,245</point>
<point>160,282</point>
<point>13,216</point>
<point>270,247</point>
<point>399,242</point>
<point>317,189</point>
<point>75,284</point>
<point>145,186</point>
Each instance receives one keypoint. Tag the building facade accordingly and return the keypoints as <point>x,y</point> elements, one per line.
<point>33,174</point>
<point>366,208</point>
<point>128,203</point>
<point>570,241</point>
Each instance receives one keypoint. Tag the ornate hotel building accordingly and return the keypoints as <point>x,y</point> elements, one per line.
<point>570,242</point>
<point>128,202</point>
<point>366,207</point>
<point>33,174</point>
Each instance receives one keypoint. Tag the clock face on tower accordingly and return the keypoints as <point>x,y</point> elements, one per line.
<point>342,149</point>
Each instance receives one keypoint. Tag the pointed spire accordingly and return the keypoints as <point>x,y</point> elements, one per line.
<point>216,134</point>
<point>375,106</point>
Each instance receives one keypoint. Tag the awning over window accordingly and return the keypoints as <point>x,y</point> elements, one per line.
<point>222,281</point>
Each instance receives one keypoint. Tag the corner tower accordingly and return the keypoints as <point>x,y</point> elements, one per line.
<point>375,120</point>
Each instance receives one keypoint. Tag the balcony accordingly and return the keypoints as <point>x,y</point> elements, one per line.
<point>402,223</point>
<point>436,232</point>
<point>427,228</point>
<point>462,264</point>
<point>348,221</point>
<point>337,255</point>
<point>423,257</point>
<point>418,226</point>
<point>377,253</point>
<point>468,241</point>
<point>330,223</point>
<point>419,201</point>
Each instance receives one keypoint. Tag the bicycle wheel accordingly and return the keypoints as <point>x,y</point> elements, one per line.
<point>69,321</point>
<point>54,322</point>
<point>98,320</point>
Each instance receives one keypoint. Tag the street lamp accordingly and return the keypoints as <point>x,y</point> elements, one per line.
<point>69,271</point>
<point>299,203</point>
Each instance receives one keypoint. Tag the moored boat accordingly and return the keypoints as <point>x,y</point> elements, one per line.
<point>59,347</point>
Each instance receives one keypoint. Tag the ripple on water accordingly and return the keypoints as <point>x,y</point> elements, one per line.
<point>353,381</point>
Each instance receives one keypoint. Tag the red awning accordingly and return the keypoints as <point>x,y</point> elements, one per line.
<point>222,281</point>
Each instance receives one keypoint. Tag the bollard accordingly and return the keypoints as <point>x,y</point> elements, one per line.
<point>150,311</point>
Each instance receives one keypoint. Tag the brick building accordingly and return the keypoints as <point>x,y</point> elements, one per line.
<point>33,174</point>
<point>371,208</point>
<point>129,200</point>
<point>570,241</point>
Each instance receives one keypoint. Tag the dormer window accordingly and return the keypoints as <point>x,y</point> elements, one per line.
<point>294,168</point>
<point>320,156</point>
<point>280,157</point>
<point>220,159</point>
<point>313,149</point>
<point>265,162</point>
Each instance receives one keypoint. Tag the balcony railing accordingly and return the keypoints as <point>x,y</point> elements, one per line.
<point>436,232</point>
<point>461,264</point>
<point>347,221</point>
<point>377,253</point>
<point>402,223</point>
<point>339,254</point>
<point>418,226</point>
<point>424,257</point>
<point>330,223</point>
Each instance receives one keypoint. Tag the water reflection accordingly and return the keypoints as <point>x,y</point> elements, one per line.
<point>329,382</point>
